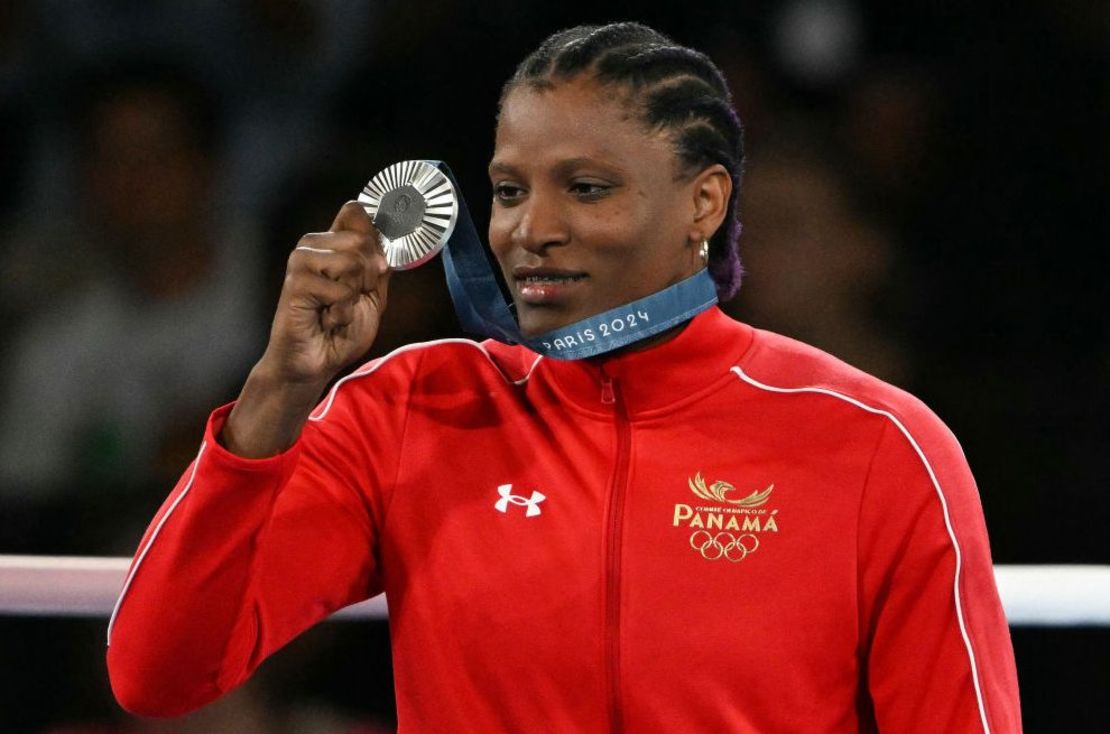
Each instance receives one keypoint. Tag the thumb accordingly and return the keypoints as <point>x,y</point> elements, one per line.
<point>352,218</point>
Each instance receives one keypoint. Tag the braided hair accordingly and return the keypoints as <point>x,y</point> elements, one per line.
<point>677,89</point>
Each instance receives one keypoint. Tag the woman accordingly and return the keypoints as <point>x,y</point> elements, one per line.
<point>712,529</point>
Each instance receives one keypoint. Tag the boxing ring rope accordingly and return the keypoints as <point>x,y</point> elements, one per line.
<point>74,586</point>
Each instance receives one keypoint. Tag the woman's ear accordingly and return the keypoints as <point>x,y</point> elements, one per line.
<point>711,189</point>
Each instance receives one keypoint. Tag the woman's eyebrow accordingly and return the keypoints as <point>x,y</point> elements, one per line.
<point>570,164</point>
<point>497,166</point>
<point>563,167</point>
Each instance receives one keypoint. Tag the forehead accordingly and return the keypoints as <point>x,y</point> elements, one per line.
<point>576,118</point>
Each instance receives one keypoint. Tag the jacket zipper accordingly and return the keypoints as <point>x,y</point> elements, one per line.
<point>610,395</point>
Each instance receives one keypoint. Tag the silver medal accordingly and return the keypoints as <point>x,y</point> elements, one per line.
<point>414,208</point>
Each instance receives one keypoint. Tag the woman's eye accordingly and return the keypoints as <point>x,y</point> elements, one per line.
<point>589,189</point>
<point>507,192</point>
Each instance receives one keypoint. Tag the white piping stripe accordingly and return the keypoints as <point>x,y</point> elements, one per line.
<point>374,365</point>
<point>943,504</point>
<point>331,397</point>
<point>153,537</point>
<point>531,369</point>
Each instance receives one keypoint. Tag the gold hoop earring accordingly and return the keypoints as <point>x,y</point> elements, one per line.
<point>705,251</point>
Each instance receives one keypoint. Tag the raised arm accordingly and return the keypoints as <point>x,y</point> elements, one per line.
<point>273,525</point>
<point>328,314</point>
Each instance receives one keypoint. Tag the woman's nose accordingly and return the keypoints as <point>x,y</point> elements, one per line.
<point>542,223</point>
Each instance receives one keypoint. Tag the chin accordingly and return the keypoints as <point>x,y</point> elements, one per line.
<point>535,321</point>
<point>534,324</point>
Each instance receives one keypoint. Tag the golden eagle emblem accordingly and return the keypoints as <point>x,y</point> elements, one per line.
<point>717,491</point>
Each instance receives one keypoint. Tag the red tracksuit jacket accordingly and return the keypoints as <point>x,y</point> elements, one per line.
<point>728,532</point>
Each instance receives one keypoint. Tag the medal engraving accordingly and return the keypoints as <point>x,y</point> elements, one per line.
<point>414,207</point>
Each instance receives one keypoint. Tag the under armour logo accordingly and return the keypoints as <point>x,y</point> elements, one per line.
<point>532,503</point>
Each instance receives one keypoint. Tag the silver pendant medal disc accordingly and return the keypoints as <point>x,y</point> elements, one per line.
<point>414,208</point>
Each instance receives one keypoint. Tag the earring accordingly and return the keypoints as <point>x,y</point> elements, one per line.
<point>705,251</point>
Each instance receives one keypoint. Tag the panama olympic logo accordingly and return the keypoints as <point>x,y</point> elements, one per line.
<point>725,545</point>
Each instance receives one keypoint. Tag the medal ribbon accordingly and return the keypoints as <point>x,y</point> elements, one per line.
<point>484,309</point>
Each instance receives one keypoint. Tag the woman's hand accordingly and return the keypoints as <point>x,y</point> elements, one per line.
<point>331,303</point>
<point>328,315</point>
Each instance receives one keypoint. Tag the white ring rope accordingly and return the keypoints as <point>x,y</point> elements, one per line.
<point>74,586</point>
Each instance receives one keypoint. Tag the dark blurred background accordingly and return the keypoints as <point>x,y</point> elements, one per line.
<point>925,197</point>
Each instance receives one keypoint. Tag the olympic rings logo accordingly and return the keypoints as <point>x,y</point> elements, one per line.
<point>723,545</point>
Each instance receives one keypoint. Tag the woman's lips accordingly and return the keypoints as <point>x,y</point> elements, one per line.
<point>546,287</point>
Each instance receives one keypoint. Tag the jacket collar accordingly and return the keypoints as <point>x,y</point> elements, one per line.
<point>654,379</point>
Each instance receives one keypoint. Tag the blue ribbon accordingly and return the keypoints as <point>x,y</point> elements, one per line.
<point>484,309</point>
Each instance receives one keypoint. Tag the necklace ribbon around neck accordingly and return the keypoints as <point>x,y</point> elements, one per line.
<point>484,309</point>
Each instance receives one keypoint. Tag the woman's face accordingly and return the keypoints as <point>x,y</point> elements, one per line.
<point>589,212</point>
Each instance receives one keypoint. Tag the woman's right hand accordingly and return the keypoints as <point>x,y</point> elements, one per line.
<point>328,315</point>
<point>331,302</point>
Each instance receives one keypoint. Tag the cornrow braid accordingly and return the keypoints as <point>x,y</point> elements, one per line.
<point>677,89</point>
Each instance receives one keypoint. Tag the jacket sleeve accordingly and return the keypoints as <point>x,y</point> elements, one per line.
<point>245,554</point>
<point>937,648</point>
